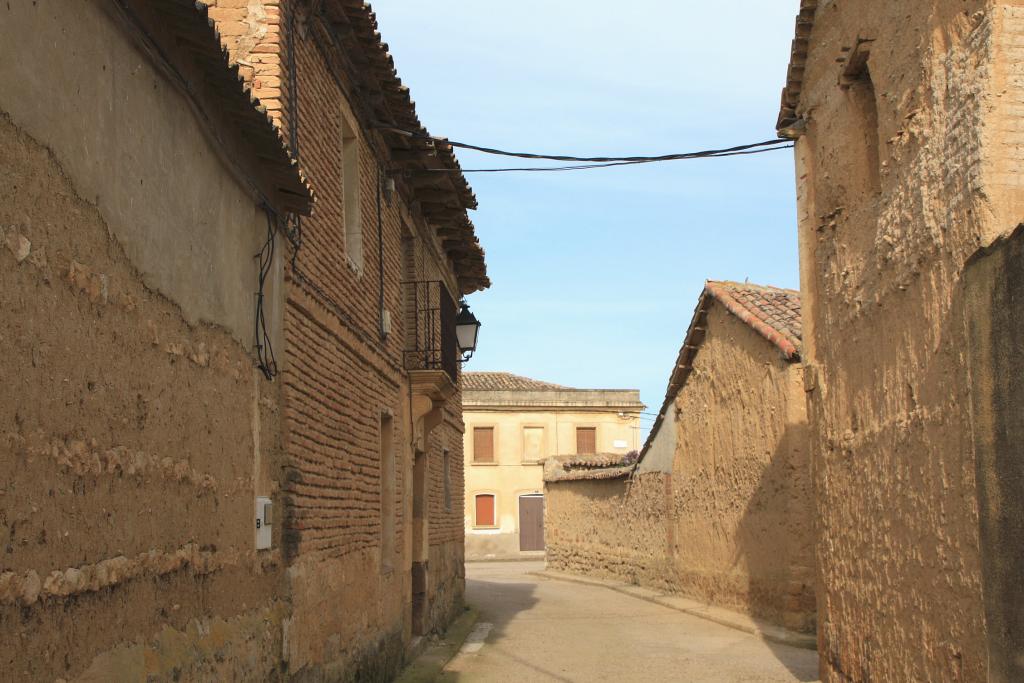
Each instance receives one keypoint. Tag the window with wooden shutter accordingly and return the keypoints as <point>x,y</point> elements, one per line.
<point>586,440</point>
<point>484,510</point>
<point>483,444</point>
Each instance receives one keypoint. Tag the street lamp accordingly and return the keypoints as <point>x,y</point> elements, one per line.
<point>467,327</point>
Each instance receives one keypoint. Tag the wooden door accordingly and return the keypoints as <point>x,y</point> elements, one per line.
<point>531,523</point>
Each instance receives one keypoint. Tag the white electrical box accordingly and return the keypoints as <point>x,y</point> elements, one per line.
<point>264,518</point>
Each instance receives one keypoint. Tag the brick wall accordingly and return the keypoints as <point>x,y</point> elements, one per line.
<point>339,376</point>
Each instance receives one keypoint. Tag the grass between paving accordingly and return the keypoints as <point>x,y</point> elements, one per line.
<point>427,667</point>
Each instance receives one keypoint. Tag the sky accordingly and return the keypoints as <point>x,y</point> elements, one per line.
<point>596,273</point>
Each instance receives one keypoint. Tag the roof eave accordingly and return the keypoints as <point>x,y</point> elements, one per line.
<point>789,123</point>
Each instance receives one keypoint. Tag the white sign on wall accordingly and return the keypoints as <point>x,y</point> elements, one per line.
<point>620,443</point>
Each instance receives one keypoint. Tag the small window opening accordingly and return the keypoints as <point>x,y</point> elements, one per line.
<point>865,134</point>
<point>447,480</point>
<point>387,492</point>
<point>350,179</point>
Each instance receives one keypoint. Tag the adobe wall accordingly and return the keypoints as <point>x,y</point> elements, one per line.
<point>884,239</point>
<point>134,430</point>
<point>741,500</point>
<point>613,528</point>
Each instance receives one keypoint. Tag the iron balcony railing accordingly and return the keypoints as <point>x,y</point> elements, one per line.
<point>431,343</point>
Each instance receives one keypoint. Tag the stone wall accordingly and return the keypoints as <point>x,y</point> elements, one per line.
<point>903,175</point>
<point>135,430</point>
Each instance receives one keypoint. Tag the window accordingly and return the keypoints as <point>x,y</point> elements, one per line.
<point>865,173</point>
<point>483,444</point>
<point>387,492</point>
<point>447,481</point>
<point>586,440</point>
<point>533,444</point>
<point>484,510</point>
<point>350,193</point>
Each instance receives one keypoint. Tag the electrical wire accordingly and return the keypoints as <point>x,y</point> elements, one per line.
<point>585,162</point>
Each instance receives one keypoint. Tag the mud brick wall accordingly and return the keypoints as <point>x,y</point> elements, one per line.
<point>901,180</point>
<point>731,523</point>
<point>615,528</point>
<point>742,509</point>
<point>133,419</point>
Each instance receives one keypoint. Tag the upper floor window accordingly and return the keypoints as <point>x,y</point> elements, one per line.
<point>586,440</point>
<point>533,444</point>
<point>350,179</point>
<point>483,444</point>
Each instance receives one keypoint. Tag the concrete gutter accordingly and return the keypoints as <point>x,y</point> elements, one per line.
<point>741,622</point>
<point>433,657</point>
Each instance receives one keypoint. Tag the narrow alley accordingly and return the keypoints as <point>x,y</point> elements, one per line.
<point>551,630</point>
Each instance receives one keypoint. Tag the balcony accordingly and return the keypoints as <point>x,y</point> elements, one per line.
<point>431,342</point>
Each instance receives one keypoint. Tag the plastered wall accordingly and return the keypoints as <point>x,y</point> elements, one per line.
<point>884,238</point>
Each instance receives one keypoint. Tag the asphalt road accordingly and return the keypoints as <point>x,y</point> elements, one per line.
<point>539,629</point>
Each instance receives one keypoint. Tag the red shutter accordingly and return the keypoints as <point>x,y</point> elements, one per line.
<point>586,440</point>
<point>483,444</point>
<point>485,510</point>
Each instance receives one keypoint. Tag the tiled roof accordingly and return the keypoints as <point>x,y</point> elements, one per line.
<point>590,467</point>
<point>505,381</point>
<point>427,166</point>
<point>772,312</point>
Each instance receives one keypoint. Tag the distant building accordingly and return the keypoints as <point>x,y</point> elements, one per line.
<point>512,424</point>
<point>718,507</point>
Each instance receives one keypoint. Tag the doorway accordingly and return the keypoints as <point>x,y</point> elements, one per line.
<point>420,544</point>
<point>531,522</point>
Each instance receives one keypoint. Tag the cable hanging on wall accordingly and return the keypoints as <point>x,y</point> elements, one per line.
<point>266,361</point>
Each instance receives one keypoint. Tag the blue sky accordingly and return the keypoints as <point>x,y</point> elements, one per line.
<point>596,273</point>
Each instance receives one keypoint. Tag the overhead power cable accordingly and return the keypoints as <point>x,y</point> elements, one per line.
<point>587,162</point>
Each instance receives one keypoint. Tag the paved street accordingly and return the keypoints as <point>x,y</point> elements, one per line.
<point>548,630</point>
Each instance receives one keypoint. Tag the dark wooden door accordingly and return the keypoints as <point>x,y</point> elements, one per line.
<point>531,523</point>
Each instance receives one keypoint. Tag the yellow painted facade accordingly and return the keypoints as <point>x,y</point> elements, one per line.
<point>530,421</point>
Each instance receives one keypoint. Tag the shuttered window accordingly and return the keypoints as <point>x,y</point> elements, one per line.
<point>484,510</point>
<point>586,440</point>
<point>483,444</point>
